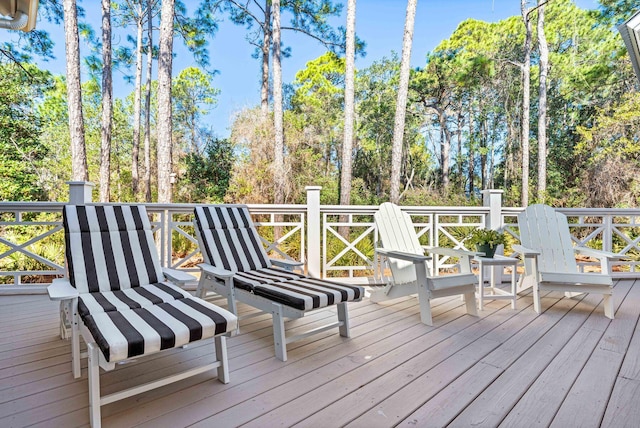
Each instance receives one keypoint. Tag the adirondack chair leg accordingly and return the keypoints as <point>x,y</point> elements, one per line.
<point>94,386</point>
<point>425,305</point>
<point>221,356</point>
<point>608,306</point>
<point>200,290</point>
<point>536,299</point>
<point>343,318</point>
<point>279,339</point>
<point>470,302</point>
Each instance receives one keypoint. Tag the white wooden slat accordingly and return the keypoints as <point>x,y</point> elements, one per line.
<point>397,233</point>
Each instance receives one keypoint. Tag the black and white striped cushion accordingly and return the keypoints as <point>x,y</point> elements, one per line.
<point>230,238</point>
<point>231,241</point>
<point>309,293</point>
<point>128,333</point>
<point>109,248</point>
<point>131,298</point>
<point>113,263</point>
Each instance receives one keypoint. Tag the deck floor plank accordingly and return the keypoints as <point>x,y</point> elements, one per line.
<point>595,383</point>
<point>569,366</point>
<point>553,385</point>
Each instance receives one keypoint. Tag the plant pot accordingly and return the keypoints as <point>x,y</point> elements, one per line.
<point>488,250</point>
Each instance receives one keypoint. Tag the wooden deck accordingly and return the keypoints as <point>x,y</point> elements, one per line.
<point>569,367</point>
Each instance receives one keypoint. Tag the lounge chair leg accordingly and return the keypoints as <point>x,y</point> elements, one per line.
<point>425,305</point>
<point>343,317</point>
<point>221,355</point>
<point>608,306</point>
<point>94,386</point>
<point>470,302</point>
<point>75,347</point>
<point>279,339</point>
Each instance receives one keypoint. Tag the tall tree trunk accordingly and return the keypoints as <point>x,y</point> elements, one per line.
<point>526,82</point>
<point>401,103</point>
<point>164,101</point>
<point>472,161</point>
<point>349,111</point>
<point>147,105</point>
<point>445,149</point>
<point>278,160</point>
<point>266,47</point>
<point>137,96</point>
<point>542,104</point>
<point>459,141</point>
<point>147,124</point>
<point>107,104</point>
<point>79,169</point>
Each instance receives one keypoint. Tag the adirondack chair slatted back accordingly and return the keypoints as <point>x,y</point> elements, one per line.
<point>544,229</point>
<point>230,239</point>
<point>109,248</point>
<point>397,232</point>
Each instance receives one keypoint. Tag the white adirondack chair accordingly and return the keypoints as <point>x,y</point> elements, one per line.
<point>549,258</point>
<point>408,265</point>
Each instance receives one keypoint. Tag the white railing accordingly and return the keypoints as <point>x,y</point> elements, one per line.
<point>172,226</point>
<point>435,226</point>
<point>32,241</point>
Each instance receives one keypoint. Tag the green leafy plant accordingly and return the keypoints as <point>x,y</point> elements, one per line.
<point>485,237</point>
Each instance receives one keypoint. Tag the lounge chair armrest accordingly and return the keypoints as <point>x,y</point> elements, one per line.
<point>452,252</point>
<point>527,252</point>
<point>286,264</point>
<point>61,289</point>
<point>415,258</point>
<point>178,277</point>
<point>599,254</point>
<point>215,271</point>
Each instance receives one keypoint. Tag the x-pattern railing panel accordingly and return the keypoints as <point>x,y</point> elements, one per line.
<point>41,250</point>
<point>360,229</point>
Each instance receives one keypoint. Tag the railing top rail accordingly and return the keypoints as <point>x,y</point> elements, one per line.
<point>371,209</point>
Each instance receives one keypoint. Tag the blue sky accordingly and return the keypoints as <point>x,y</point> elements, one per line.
<point>378,22</point>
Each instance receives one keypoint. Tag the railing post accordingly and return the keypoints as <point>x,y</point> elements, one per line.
<point>80,192</point>
<point>607,233</point>
<point>492,198</point>
<point>313,231</point>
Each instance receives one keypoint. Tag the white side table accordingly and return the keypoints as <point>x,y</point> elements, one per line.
<point>490,291</point>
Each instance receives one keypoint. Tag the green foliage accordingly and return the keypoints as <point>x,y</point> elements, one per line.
<point>207,174</point>
<point>485,237</point>
<point>22,154</point>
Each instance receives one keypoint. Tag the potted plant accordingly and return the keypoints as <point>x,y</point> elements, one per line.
<point>486,240</point>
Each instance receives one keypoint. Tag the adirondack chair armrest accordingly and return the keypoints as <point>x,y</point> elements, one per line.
<point>178,277</point>
<point>452,252</point>
<point>527,252</point>
<point>286,264</point>
<point>599,254</point>
<point>393,254</point>
<point>61,289</point>
<point>215,271</point>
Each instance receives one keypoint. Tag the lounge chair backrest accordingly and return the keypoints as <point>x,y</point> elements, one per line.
<point>229,238</point>
<point>397,232</point>
<point>544,229</point>
<point>109,248</point>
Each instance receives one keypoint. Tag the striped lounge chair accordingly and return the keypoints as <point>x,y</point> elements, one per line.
<point>236,266</point>
<point>118,300</point>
